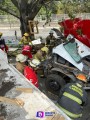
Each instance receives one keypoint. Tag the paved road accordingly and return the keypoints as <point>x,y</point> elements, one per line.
<point>9,33</point>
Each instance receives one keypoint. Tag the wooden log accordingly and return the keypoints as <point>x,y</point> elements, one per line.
<point>26,90</point>
<point>12,101</point>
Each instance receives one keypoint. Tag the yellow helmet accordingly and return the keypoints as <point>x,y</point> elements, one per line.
<point>1,34</point>
<point>81,77</point>
<point>26,34</point>
<point>45,49</point>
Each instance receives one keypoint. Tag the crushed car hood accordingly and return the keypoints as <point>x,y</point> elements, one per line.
<point>83,51</point>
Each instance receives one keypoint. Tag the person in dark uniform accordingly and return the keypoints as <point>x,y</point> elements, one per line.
<point>73,97</point>
<point>3,46</point>
<point>50,40</point>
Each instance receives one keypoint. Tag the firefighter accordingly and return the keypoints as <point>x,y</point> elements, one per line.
<point>26,70</point>
<point>50,40</point>
<point>3,46</point>
<point>73,97</point>
<point>25,40</point>
<point>30,72</point>
<point>41,54</point>
<point>45,52</point>
<point>26,50</point>
<point>20,62</point>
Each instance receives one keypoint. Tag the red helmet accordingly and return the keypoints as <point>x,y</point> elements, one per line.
<point>27,48</point>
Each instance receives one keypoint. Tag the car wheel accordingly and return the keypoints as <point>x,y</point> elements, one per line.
<point>54,83</point>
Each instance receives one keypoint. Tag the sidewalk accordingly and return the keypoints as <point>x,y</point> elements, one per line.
<point>10,32</point>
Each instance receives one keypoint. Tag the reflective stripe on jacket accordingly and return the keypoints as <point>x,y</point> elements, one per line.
<point>72,97</point>
<point>70,114</point>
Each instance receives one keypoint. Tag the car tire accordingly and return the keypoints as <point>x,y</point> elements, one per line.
<point>54,83</point>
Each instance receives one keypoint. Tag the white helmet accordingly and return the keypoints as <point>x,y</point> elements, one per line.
<point>21,58</point>
<point>34,63</point>
<point>51,32</point>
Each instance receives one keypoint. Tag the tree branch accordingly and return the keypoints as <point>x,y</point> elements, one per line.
<point>7,10</point>
<point>15,2</point>
<point>34,7</point>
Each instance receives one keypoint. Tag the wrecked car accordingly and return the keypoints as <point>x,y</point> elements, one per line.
<point>67,61</point>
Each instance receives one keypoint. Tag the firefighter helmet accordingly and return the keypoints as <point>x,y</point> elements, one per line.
<point>26,34</point>
<point>21,58</point>
<point>34,63</point>
<point>81,77</point>
<point>26,48</point>
<point>45,49</point>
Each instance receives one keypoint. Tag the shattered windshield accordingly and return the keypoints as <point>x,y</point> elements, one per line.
<point>71,48</point>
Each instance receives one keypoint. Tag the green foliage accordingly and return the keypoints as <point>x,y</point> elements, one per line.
<point>69,7</point>
<point>48,9</point>
<point>75,6</point>
<point>2,12</point>
<point>71,15</point>
<point>10,5</point>
<point>55,7</point>
<point>42,11</point>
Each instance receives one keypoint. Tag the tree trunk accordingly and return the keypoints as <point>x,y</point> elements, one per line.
<point>28,12</point>
<point>22,26</point>
<point>28,9</point>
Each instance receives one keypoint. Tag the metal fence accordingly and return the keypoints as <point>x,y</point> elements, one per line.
<point>57,17</point>
<point>11,21</point>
